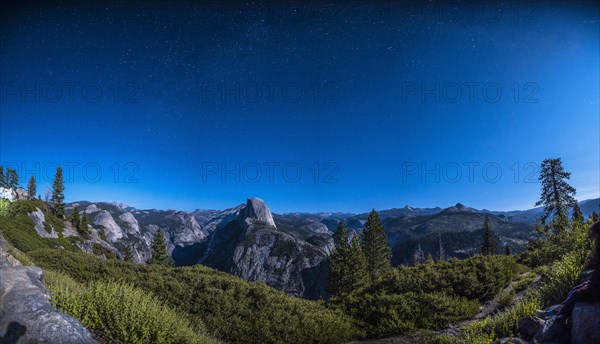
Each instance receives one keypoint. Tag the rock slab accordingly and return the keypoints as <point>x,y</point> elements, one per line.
<point>529,326</point>
<point>586,324</point>
<point>26,315</point>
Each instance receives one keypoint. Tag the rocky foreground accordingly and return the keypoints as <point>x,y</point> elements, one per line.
<point>26,315</point>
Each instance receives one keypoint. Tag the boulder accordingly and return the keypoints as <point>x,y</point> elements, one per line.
<point>26,315</point>
<point>586,324</point>
<point>529,326</point>
<point>554,331</point>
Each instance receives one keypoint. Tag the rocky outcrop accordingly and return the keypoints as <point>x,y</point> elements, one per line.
<point>8,194</point>
<point>105,219</point>
<point>185,229</point>
<point>253,248</point>
<point>586,324</point>
<point>39,223</point>
<point>133,227</point>
<point>213,219</point>
<point>256,209</point>
<point>26,315</point>
<point>529,326</point>
<point>553,331</point>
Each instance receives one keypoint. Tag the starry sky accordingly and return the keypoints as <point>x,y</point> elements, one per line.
<point>312,107</point>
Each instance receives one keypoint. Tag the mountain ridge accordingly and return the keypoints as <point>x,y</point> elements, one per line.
<point>289,251</point>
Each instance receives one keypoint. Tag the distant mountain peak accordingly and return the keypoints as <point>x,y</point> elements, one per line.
<point>458,208</point>
<point>257,209</point>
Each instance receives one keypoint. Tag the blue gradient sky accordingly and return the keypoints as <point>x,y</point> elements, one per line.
<point>194,92</point>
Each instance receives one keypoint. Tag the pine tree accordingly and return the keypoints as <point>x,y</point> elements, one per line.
<point>358,275</point>
<point>577,216</point>
<point>83,224</point>
<point>507,250</point>
<point>160,255</point>
<point>338,261</point>
<point>557,195</point>
<point>2,177</point>
<point>75,217</point>
<point>102,232</point>
<point>11,178</point>
<point>128,254</point>
<point>441,251</point>
<point>31,188</point>
<point>58,196</point>
<point>429,259</point>
<point>375,247</point>
<point>489,242</point>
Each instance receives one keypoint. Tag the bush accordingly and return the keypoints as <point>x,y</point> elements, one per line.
<point>100,250</point>
<point>503,324</point>
<point>232,309</point>
<point>4,207</point>
<point>506,298</point>
<point>478,278</point>
<point>20,233</point>
<point>20,256</point>
<point>552,247</point>
<point>386,314</point>
<point>524,281</point>
<point>561,276</point>
<point>122,313</point>
<point>24,207</point>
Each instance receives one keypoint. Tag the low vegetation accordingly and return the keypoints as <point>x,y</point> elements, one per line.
<point>232,309</point>
<point>428,296</point>
<point>108,308</point>
<point>558,277</point>
<point>19,231</point>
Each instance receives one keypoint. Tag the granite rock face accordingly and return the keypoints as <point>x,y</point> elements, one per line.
<point>256,209</point>
<point>26,315</point>
<point>253,248</point>
<point>39,220</point>
<point>586,324</point>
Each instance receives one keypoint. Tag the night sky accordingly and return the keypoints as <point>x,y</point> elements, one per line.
<point>340,107</point>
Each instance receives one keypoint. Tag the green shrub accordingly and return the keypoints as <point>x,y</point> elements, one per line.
<point>4,207</point>
<point>121,312</point>
<point>231,308</point>
<point>20,256</point>
<point>19,232</point>
<point>503,324</point>
<point>524,281</point>
<point>552,247</point>
<point>24,207</point>
<point>386,314</point>
<point>480,277</point>
<point>561,276</point>
<point>567,254</point>
<point>99,250</point>
<point>506,298</point>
